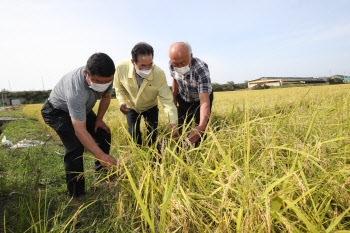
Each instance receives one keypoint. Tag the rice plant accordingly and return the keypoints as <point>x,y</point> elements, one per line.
<point>274,161</point>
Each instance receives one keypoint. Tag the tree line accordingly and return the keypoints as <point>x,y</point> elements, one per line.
<point>35,97</point>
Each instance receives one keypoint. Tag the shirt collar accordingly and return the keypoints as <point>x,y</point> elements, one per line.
<point>192,63</point>
<point>136,74</point>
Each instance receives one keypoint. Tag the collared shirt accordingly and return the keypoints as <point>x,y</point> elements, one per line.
<point>144,98</point>
<point>195,81</point>
<point>139,79</point>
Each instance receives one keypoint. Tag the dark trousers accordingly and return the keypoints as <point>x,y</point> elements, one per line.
<point>61,122</point>
<point>189,110</point>
<point>151,119</point>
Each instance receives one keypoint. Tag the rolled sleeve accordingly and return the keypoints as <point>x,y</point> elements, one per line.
<point>166,98</point>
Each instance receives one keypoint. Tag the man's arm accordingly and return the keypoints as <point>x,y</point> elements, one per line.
<point>204,112</point>
<point>170,109</point>
<point>175,88</point>
<point>102,108</point>
<point>89,143</point>
<point>120,92</point>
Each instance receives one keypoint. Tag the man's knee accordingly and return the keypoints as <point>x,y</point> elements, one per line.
<point>74,154</point>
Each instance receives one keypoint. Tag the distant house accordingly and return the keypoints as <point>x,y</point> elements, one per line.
<point>346,79</point>
<point>16,101</point>
<point>11,101</point>
<point>280,81</point>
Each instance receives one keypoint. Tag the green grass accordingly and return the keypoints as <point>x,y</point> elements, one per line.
<point>274,161</point>
<point>12,112</point>
<point>23,128</point>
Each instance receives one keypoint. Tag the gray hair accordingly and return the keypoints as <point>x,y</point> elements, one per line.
<point>188,47</point>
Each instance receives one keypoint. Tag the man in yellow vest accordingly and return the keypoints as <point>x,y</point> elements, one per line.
<point>138,83</point>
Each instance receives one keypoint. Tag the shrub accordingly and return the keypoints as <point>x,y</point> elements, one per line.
<point>260,87</point>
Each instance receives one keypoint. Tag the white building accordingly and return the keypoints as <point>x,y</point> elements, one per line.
<point>279,81</point>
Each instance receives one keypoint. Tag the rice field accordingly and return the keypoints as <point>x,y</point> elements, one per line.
<point>275,160</point>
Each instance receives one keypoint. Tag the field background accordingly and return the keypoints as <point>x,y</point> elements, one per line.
<point>275,160</point>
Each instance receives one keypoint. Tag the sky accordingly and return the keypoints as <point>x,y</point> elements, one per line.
<point>40,41</point>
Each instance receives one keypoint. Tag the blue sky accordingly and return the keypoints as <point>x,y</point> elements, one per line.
<point>239,40</point>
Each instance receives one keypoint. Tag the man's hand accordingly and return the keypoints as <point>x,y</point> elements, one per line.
<point>88,142</point>
<point>175,130</point>
<point>124,109</point>
<point>107,161</point>
<point>101,124</point>
<point>197,133</point>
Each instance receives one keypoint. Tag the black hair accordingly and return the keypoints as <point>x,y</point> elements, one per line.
<point>141,48</point>
<point>100,64</point>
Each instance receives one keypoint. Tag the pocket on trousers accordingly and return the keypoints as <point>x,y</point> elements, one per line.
<point>46,110</point>
<point>50,115</point>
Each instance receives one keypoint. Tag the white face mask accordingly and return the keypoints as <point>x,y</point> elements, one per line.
<point>143,73</point>
<point>100,87</point>
<point>182,70</point>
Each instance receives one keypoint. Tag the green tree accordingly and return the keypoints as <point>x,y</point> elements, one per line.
<point>331,80</point>
<point>231,85</point>
<point>216,87</point>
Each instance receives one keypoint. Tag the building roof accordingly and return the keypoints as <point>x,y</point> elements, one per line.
<point>339,76</point>
<point>291,79</point>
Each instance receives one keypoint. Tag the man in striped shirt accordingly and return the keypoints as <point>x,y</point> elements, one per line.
<point>192,90</point>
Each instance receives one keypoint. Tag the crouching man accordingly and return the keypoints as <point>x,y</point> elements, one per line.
<point>192,89</point>
<point>68,111</point>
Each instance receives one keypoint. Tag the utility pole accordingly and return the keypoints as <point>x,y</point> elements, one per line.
<point>42,80</point>
<point>9,85</point>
